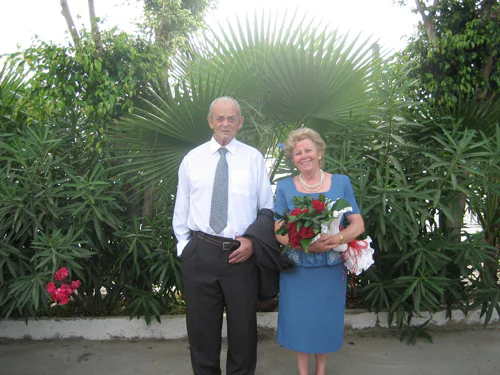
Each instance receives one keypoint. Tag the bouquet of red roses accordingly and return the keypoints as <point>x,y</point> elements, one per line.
<point>59,290</point>
<point>311,217</point>
<point>308,219</point>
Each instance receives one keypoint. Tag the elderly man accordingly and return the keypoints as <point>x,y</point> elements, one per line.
<point>222,186</point>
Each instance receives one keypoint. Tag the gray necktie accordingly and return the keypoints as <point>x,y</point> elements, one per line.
<point>218,211</point>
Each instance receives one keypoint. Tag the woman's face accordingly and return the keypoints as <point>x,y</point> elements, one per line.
<point>306,156</point>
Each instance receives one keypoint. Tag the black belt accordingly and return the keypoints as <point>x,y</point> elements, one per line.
<point>227,244</point>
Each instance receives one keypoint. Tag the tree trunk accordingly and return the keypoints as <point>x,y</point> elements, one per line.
<point>147,204</point>
<point>69,21</point>
<point>428,23</point>
<point>96,34</point>
<point>488,11</point>
<point>456,205</point>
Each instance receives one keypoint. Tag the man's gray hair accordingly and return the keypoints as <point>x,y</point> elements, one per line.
<point>225,99</point>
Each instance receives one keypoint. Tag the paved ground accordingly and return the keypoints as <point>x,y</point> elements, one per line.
<point>473,352</point>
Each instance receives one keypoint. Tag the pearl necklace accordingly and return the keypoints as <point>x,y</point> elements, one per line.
<point>314,187</point>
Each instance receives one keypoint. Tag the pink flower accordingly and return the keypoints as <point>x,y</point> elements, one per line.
<point>75,284</point>
<point>66,289</point>
<point>61,291</point>
<point>61,296</point>
<point>51,287</point>
<point>61,274</point>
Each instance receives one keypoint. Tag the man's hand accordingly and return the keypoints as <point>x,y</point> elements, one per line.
<point>243,252</point>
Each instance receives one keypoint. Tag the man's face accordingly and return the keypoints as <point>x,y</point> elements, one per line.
<point>225,121</point>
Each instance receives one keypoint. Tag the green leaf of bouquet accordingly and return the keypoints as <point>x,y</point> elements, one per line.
<point>340,204</point>
<point>299,225</point>
<point>282,231</point>
<point>298,201</point>
<point>323,217</point>
<point>305,243</point>
<point>278,216</point>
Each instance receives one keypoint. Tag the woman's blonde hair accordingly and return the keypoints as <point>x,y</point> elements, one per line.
<point>301,134</point>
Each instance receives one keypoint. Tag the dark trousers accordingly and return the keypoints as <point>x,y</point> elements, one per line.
<point>210,284</point>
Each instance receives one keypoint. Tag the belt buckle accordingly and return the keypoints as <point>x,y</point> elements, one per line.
<point>226,246</point>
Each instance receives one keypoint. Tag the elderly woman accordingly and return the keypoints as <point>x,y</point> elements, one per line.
<point>312,297</point>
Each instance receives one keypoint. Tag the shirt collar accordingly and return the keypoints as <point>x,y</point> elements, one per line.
<point>231,146</point>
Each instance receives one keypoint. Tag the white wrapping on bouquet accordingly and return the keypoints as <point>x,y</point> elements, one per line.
<point>333,227</point>
<point>357,254</point>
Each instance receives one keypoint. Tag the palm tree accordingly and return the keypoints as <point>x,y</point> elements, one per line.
<point>285,74</point>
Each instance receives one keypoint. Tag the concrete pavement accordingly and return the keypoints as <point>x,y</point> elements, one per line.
<point>374,352</point>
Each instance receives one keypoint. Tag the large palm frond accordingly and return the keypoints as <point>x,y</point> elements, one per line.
<point>12,90</point>
<point>284,74</point>
<point>153,141</point>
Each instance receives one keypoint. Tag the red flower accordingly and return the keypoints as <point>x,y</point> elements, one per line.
<point>309,215</point>
<point>295,240</point>
<point>292,226</point>
<point>66,289</point>
<point>75,284</point>
<point>293,235</point>
<point>306,232</point>
<point>61,296</point>
<point>61,274</point>
<point>297,211</point>
<point>62,293</point>
<point>318,206</point>
<point>51,287</point>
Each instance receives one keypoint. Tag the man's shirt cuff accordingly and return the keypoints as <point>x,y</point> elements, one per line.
<point>180,246</point>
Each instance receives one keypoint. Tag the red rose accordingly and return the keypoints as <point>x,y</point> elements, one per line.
<point>297,211</point>
<point>295,242</point>
<point>61,274</point>
<point>293,235</point>
<point>318,206</point>
<point>306,232</point>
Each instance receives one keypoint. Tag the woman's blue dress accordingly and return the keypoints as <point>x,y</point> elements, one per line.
<point>312,296</point>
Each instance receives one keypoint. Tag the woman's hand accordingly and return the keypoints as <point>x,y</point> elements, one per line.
<point>281,239</point>
<point>326,242</point>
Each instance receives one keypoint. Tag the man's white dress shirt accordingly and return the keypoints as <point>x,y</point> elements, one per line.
<point>249,190</point>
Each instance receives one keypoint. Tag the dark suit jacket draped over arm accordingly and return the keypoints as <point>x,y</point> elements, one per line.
<point>267,254</point>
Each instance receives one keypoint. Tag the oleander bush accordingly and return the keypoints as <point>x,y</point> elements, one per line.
<point>62,206</point>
